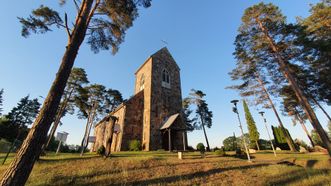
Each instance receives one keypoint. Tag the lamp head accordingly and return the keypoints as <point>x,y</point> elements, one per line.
<point>261,113</point>
<point>235,110</point>
<point>235,102</point>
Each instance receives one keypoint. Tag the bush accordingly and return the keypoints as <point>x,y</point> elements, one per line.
<point>239,152</point>
<point>101,150</point>
<point>201,147</point>
<point>220,152</point>
<point>134,145</point>
<point>215,149</point>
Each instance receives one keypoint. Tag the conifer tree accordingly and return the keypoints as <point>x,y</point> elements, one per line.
<point>254,135</point>
<point>292,108</point>
<point>93,103</point>
<point>254,82</point>
<point>190,122</point>
<point>25,112</point>
<point>75,82</point>
<point>105,23</point>
<point>203,115</point>
<point>267,37</point>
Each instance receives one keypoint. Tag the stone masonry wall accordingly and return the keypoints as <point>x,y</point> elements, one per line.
<point>117,138</point>
<point>146,70</point>
<point>165,101</point>
<point>133,124</point>
<point>99,133</point>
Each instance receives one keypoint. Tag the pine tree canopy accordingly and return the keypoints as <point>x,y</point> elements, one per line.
<point>25,112</point>
<point>107,26</point>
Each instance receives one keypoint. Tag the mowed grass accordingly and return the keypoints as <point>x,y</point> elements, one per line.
<point>163,168</point>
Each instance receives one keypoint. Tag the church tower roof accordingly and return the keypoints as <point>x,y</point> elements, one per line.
<point>163,51</point>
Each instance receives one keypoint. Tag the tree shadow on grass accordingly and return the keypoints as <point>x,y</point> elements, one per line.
<point>311,163</point>
<point>175,178</point>
<point>76,179</point>
<point>242,157</point>
<point>296,176</point>
<point>53,159</point>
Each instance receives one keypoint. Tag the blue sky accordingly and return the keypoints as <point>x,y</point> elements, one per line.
<point>199,34</point>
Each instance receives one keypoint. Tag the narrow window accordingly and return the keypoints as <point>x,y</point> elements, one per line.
<point>165,79</point>
<point>142,82</point>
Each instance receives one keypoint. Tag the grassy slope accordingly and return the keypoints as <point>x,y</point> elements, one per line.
<point>164,168</point>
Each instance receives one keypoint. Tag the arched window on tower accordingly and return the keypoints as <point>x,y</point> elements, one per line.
<point>165,79</point>
<point>142,82</point>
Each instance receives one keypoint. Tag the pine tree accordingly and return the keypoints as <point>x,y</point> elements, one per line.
<point>20,117</point>
<point>255,85</point>
<point>203,115</point>
<point>114,98</point>
<point>292,108</point>
<point>314,37</point>
<point>254,135</point>
<point>75,82</point>
<point>25,112</point>
<point>105,23</point>
<point>268,37</point>
<point>189,122</point>
<point>93,104</point>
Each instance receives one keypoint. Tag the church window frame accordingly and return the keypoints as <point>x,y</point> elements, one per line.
<point>165,78</point>
<point>142,82</point>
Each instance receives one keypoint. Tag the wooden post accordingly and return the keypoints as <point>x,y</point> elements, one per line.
<point>58,147</point>
<point>115,145</point>
<point>169,133</point>
<point>184,141</point>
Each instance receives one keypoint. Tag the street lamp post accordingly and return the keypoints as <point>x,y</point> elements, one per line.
<point>235,110</point>
<point>266,126</point>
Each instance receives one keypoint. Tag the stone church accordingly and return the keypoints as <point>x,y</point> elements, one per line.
<point>153,115</point>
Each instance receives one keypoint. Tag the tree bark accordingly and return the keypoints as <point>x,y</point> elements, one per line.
<point>204,132</point>
<point>305,129</point>
<point>287,137</point>
<point>298,92</point>
<point>169,139</point>
<point>85,133</point>
<point>88,128</point>
<point>109,138</point>
<point>20,168</point>
<point>320,106</point>
<point>57,119</point>
<point>257,145</point>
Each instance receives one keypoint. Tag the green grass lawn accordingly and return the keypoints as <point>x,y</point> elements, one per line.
<point>163,168</point>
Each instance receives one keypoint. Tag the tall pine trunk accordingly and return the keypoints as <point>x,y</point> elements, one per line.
<point>257,145</point>
<point>109,136</point>
<point>20,168</point>
<point>85,134</point>
<point>298,92</point>
<point>58,119</point>
<point>89,124</point>
<point>204,132</point>
<point>289,141</point>
<point>306,131</point>
<point>320,106</point>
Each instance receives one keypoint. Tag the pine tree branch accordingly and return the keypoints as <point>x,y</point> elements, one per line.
<point>76,5</point>
<point>66,25</point>
<point>92,11</point>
